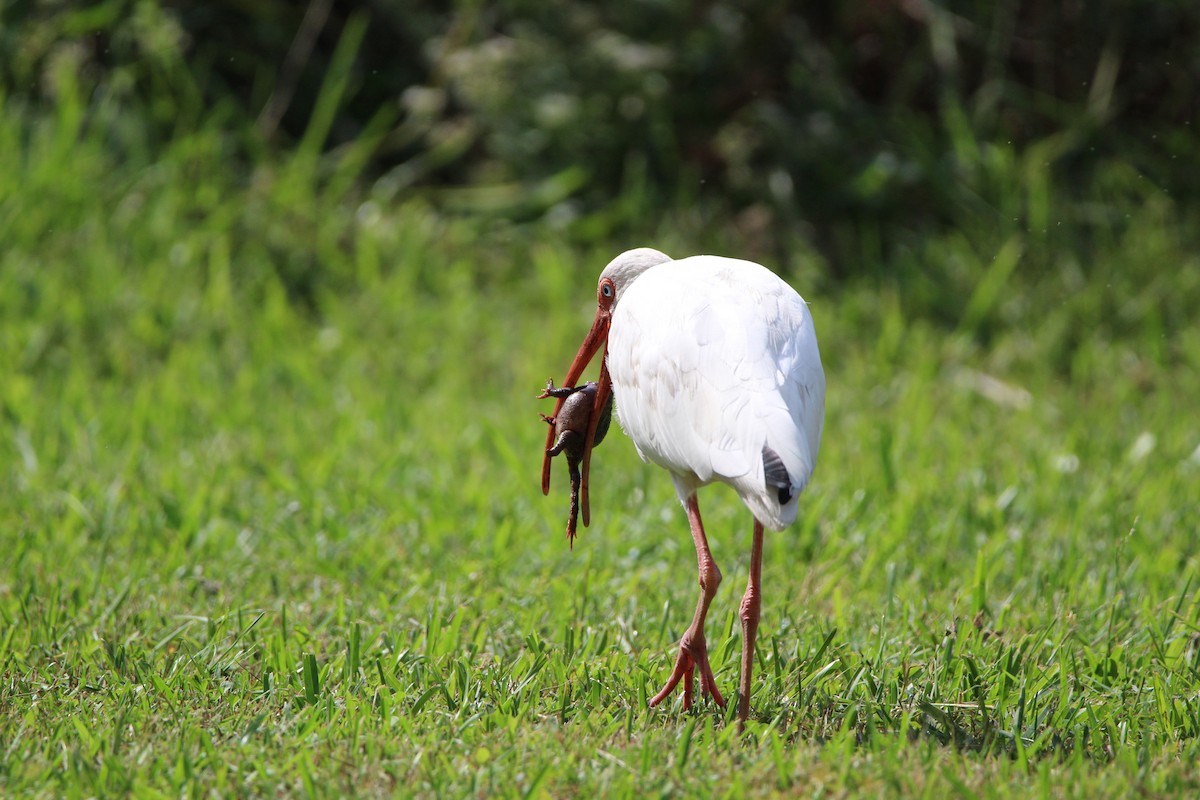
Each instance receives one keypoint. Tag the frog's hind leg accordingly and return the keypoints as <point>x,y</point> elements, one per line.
<point>573,517</point>
<point>564,441</point>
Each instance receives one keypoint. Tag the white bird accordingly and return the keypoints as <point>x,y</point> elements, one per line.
<point>717,376</point>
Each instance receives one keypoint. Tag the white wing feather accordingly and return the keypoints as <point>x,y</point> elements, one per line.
<point>712,359</point>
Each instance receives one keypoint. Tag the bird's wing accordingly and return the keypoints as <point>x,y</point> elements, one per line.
<point>712,359</point>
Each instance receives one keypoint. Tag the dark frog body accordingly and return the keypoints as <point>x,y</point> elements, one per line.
<point>570,432</point>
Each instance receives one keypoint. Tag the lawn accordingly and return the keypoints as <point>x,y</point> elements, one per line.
<point>271,521</point>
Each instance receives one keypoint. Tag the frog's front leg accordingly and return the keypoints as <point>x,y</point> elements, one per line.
<point>550,391</point>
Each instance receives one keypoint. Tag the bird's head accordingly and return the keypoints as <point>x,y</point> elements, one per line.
<point>614,280</point>
<point>621,272</point>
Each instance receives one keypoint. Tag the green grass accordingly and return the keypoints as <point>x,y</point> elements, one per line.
<point>271,522</point>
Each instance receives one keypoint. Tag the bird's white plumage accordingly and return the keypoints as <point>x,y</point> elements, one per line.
<point>712,359</point>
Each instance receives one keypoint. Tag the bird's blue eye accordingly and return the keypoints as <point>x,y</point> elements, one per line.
<point>606,290</point>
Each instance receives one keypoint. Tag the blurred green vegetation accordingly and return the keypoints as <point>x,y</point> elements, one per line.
<point>903,142</point>
<point>856,128</point>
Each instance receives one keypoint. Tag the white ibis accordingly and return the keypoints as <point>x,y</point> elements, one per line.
<point>717,375</point>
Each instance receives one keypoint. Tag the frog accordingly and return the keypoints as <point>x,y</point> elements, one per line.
<point>570,426</point>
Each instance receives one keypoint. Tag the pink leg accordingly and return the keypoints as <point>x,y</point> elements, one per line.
<point>749,611</point>
<point>693,650</point>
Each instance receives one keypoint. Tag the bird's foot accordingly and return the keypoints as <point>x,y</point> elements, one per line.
<point>693,656</point>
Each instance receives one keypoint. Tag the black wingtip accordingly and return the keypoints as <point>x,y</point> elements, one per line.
<point>777,476</point>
